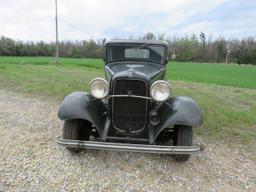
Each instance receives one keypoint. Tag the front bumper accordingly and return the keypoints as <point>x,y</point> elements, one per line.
<point>161,149</point>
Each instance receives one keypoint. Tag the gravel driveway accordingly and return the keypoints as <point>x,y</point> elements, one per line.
<point>30,159</point>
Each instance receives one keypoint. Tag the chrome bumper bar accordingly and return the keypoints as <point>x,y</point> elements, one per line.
<point>161,149</point>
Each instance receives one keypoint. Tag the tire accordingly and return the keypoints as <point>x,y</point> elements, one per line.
<point>76,129</point>
<point>183,137</point>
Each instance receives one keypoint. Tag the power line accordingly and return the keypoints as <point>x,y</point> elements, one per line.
<point>70,24</point>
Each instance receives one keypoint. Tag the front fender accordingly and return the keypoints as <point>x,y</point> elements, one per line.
<point>81,105</point>
<point>179,111</point>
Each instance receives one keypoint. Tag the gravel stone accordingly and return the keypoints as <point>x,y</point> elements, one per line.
<point>31,160</point>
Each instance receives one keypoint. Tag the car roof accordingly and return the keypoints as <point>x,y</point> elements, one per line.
<point>131,41</point>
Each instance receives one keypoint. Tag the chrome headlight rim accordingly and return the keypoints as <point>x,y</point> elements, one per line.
<point>102,80</point>
<point>156,82</point>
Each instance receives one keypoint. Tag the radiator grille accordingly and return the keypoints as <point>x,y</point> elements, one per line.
<point>129,113</point>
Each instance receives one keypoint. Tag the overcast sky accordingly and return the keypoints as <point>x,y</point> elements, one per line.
<point>85,19</point>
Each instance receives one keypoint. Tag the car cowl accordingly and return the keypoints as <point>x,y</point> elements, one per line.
<point>134,70</point>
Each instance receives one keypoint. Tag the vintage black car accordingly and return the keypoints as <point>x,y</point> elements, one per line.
<point>132,109</point>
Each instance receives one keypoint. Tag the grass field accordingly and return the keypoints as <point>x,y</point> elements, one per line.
<point>220,74</point>
<point>229,111</point>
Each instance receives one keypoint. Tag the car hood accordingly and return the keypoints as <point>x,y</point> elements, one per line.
<point>135,70</point>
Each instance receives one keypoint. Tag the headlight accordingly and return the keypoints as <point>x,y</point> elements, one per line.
<point>160,90</point>
<point>99,88</point>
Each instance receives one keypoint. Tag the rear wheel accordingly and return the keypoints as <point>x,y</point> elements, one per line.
<point>76,129</point>
<point>183,136</point>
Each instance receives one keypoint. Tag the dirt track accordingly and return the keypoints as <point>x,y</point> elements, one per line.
<point>30,159</point>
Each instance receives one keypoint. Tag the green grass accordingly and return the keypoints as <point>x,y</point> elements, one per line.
<point>219,74</point>
<point>229,112</point>
<point>93,63</point>
<point>39,76</point>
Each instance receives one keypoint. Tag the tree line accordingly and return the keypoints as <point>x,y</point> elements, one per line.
<point>198,48</point>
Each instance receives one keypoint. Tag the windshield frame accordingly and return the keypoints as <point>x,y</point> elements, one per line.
<point>138,45</point>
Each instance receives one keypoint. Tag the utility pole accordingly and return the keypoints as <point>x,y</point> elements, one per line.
<point>174,49</point>
<point>227,53</point>
<point>57,35</point>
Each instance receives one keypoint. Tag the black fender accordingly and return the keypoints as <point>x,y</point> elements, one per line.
<point>179,111</point>
<point>81,105</point>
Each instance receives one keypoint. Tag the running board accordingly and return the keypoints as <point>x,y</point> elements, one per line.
<point>161,149</point>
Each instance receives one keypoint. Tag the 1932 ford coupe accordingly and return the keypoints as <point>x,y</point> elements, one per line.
<point>132,109</point>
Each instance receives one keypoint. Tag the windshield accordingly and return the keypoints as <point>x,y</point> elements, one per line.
<point>136,52</point>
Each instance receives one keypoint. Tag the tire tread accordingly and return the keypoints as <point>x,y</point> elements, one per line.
<point>75,130</point>
<point>184,138</point>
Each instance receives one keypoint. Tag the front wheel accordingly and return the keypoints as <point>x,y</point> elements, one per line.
<point>183,136</point>
<point>76,129</point>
